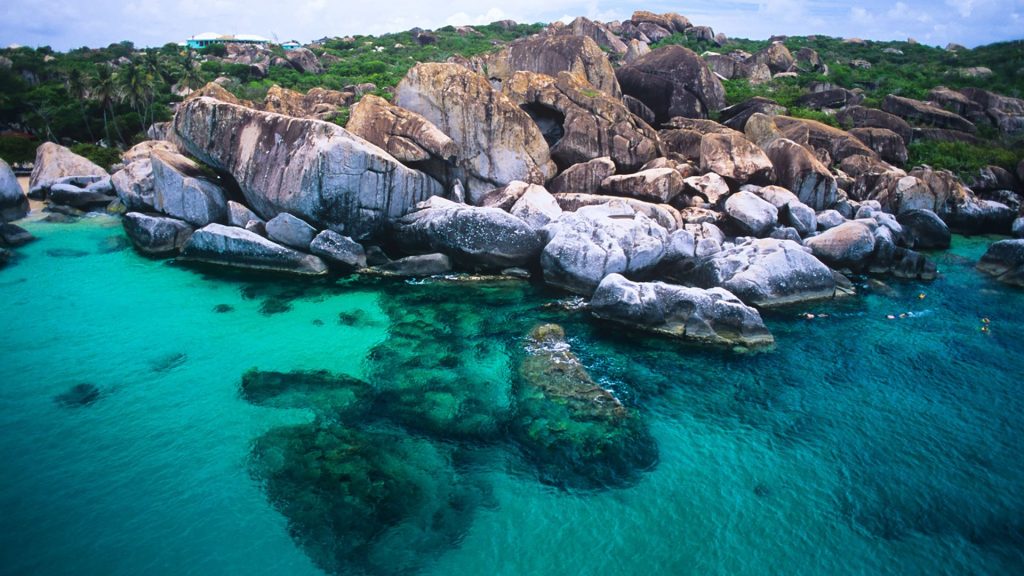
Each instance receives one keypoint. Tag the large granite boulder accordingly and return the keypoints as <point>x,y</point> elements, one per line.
<point>338,250</point>
<point>156,235</point>
<point>304,61</point>
<point>596,31</point>
<point>583,247</point>
<point>290,231</point>
<point>583,178</point>
<point>318,103</point>
<point>838,144</point>
<point>182,190</point>
<point>475,237</point>
<point>752,215</point>
<point>673,81</point>
<point>736,116</point>
<point>776,56</point>
<point>553,54</point>
<point>665,215</point>
<point>923,229</point>
<point>13,202</point>
<point>888,144</point>
<point>582,123</point>
<point>849,244</point>
<point>240,248</point>
<point>713,315</point>
<point>537,207</point>
<point>655,185</point>
<point>1004,260</point>
<point>924,113</point>
<point>764,272</point>
<point>797,170</point>
<point>735,158</point>
<point>497,141</point>
<point>54,162</point>
<point>863,117</point>
<point>407,136</point>
<point>315,170</point>
<point>792,212</point>
<point>1007,113</point>
<point>82,192</point>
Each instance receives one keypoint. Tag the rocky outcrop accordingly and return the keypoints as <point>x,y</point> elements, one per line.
<point>13,202</point>
<point>83,192</point>
<point>218,92</point>
<point>776,56</point>
<point>797,170</point>
<point>863,117</point>
<point>551,55</point>
<point>673,81</point>
<point>1005,112</point>
<point>735,158</point>
<point>924,113</point>
<point>585,123</point>
<point>583,247</point>
<point>764,272</point>
<point>497,141</point>
<point>472,236</point>
<point>792,212</point>
<point>832,97</point>
<point>54,162</point>
<point>537,207</point>
<point>407,136</point>
<point>318,103</point>
<point>838,144</point>
<point>584,178</point>
<point>888,144</point>
<point>314,170</point>
<point>304,61</point>
<point>597,32</point>
<point>656,185</point>
<point>1004,260</point>
<point>181,190</point>
<point>155,235</point>
<point>736,116</point>
<point>635,50</point>
<point>750,214</point>
<point>849,244</point>
<point>924,230</point>
<point>339,251</point>
<point>714,315</point>
<point>290,231</point>
<point>239,248</point>
<point>666,216</point>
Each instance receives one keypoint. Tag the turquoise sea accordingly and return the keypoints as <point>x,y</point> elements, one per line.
<point>858,445</point>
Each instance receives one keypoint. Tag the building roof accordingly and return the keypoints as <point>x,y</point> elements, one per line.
<point>229,37</point>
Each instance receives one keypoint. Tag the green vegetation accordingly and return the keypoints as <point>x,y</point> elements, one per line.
<point>963,158</point>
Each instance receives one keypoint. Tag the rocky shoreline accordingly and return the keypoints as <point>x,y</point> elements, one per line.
<point>546,161</point>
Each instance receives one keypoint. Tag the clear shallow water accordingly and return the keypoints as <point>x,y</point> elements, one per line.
<point>860,445</point>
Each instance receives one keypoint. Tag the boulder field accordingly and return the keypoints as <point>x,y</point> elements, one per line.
<point>604,178</point>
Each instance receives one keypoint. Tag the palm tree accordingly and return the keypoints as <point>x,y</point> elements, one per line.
<point>192,77</point>
<point>104,91</point>
<point>135,86</point>
<point>77,89</point>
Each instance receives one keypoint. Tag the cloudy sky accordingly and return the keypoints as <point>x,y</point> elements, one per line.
<point>65,24</point>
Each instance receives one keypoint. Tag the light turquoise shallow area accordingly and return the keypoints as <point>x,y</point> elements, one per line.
<point>859,445</point>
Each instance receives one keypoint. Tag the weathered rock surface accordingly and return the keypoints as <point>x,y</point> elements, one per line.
<point>797,170</point>
<point>735,158</point>
<point>863,117</point>
<point>924,230</point>
<point>849,244</point>
<point>290,231</point>
<point>407,136</point>
<point>667,216</point>
<point>673,81</point>
<point>736,116</point>
<point>74,195</point>
<point>473,236</point>
<point>13,202</point>
<point>54,162</point>
<point>338,250</point>
<point>239,215</point>
<point>236,247</point>
<point>888,144</point>
<point>584,178</point>
<point>156,235</point>
<point>839,144</point>
<point>765,272</point>
<point>713,315</point>
<point>312,169</point>
<point>1004,260</point>
<point>318,103</point>
<point>753,216</point>
<point>925,113</point>
<point>792,212</point>
<point>551,55</point>
<point>14,236</point>
<point>656,185</point>
<point>776,56</point>
<point>181,190</point>
<point>583,247</point>
<point>304,61</point>
<point>597,32</point>
<point>537,207</point>
<point>587,124</point>
<point>416,266</point>
<point>1005,112</point>
<point>497,141</point>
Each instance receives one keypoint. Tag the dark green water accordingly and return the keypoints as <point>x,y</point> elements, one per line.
<point>859,445</point>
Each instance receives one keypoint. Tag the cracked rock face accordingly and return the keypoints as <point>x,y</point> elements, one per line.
<point>315,170</point>
<point>673,81</point>
<point>497,141</point>
<point>554,54</point>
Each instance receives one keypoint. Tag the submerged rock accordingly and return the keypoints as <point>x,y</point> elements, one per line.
<point>713,315</point>
<point>334,396</point>
<point>578,434</point>
<point>78,395</point>
<point>1004,260</point>
<point>231,246</point>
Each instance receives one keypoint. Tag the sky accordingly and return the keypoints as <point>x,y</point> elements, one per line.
<point>67,24</point>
